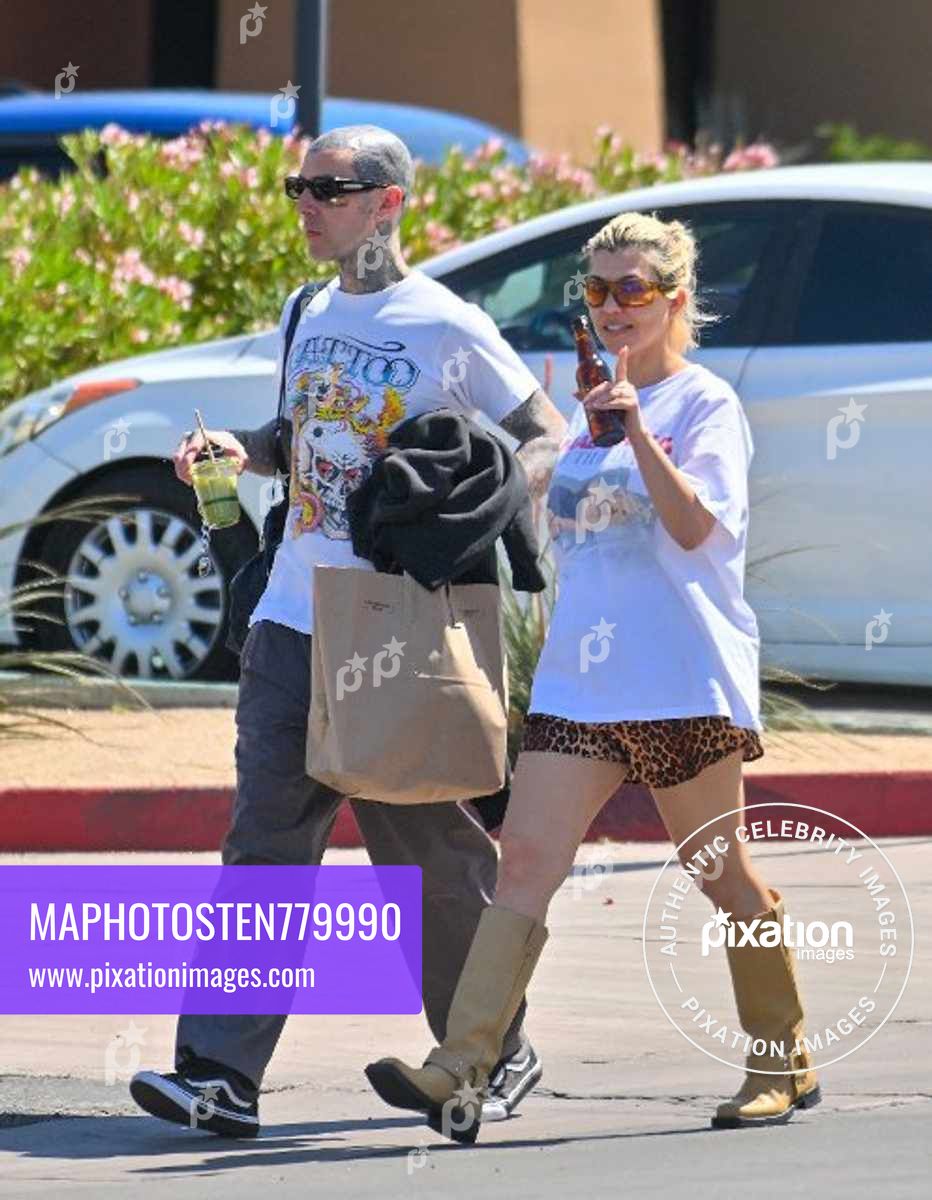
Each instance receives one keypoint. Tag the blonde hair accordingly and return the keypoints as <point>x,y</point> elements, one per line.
<point>670,248</point>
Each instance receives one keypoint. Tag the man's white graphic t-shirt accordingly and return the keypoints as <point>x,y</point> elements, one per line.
<point>359,365</point>
<point>643,629</point>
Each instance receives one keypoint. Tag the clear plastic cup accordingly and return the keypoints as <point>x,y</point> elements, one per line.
<point>215,487</point>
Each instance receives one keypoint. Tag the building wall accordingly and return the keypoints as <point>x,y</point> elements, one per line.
<point>580,68</point>
<point>782,69</point>
<point>37,39</point>
<point>263,63</point>
<point>532,67</point>
<point>456,54</point>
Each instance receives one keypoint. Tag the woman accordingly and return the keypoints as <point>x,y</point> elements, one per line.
<point>649,674</point>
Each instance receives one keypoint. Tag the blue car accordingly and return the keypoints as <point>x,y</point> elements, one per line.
<point>32,122</point>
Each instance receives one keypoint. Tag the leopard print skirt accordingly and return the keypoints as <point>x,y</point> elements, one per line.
<point>659,754</point>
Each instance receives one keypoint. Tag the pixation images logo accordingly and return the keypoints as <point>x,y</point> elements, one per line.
<point>849,941</point>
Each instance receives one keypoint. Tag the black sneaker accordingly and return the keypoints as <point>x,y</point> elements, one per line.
<point>208,1101</point>
<point>510,1082</point>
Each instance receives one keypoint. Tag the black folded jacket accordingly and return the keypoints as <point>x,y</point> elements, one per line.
<point>438,499</point>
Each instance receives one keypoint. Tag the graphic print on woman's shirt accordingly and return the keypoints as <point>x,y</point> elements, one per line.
<point>581,505</point>
<point>345,397</point>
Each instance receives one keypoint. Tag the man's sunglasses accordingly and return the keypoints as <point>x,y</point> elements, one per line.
<point>630,292</point>
<point>327,187</point>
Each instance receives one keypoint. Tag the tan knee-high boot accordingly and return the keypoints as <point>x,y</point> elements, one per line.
<point>498,968</point>
<point>769,1008</point>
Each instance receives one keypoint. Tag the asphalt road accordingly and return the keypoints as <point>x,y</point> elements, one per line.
<point>623,1108</point>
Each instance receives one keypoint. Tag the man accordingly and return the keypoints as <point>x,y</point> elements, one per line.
<point>380,343</point>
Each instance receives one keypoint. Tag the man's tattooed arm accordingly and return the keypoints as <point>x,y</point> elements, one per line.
<point>539,428</point>
<point>259,444</point>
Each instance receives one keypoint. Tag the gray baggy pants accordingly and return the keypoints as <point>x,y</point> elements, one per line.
<point>281,815</point>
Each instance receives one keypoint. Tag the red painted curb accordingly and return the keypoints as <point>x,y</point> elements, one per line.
<point>881,804</point>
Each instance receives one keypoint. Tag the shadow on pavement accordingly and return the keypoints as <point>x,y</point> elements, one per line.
<point>279,1145</point>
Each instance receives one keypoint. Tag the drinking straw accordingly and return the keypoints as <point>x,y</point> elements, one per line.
<point>200,422</point>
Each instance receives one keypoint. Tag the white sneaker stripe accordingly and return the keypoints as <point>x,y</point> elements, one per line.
<point>200,1084</point>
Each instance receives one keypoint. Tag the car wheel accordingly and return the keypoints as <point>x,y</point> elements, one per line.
<point>134,596</point>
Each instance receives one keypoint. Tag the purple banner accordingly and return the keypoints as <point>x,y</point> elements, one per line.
<point>204,939</point>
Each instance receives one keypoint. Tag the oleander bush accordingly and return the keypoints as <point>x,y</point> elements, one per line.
<point>843,143</point>
<point>153,243</point>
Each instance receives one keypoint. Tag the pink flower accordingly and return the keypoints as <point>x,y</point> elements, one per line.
<point>19,258</point>
<point>182,153</point>
<point>481,191</point>
<point>83,257</point>
<point>249,178</point>
<point>188,233</point>
<point>129,268</point>
<point>132,201</point>
<point>440,236</point>
<point>138,336</point>
<point>176,289</point>
<point>115,135</point>
<point>542,165</point>
<point>603,132</point>
<point>502,222</point>
<point>65,201</point>
<point>489,149</point>
<point>757,156</point>
<point>584,180</point>
<point>295,144</point>
<point>62,289</point>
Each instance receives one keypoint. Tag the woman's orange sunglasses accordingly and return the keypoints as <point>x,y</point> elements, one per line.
<point>630,292</point>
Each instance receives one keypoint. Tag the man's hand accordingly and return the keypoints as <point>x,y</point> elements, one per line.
<point>192,444</point>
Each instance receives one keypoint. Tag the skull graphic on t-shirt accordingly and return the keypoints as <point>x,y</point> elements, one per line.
<point>335,438</point>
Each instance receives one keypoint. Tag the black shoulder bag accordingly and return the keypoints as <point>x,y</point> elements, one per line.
<point>249,582</point>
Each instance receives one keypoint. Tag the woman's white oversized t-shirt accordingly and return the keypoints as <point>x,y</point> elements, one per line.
<point>641,628</point>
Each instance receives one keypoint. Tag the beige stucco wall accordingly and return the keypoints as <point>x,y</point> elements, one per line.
<point>537,68</point>
<point>584,66</point>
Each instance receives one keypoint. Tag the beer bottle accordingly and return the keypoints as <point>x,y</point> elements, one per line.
<point>606,427</point>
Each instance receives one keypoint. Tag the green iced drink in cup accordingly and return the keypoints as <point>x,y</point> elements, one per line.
<point>215,486</point>
<point>214,480</point>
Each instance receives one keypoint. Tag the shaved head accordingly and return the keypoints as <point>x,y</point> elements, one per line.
<point>377,154</point>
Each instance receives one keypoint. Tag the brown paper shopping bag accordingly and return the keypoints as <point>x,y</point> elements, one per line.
<point>409,694</point>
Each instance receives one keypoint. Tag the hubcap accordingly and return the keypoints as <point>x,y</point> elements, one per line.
<point>134,599</point>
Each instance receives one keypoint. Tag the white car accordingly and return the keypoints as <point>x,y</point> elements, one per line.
<point>823,278</point>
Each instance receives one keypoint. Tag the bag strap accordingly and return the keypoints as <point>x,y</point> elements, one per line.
<point>301,302</point>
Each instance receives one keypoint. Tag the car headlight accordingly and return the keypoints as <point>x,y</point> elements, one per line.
<point>27,418</point>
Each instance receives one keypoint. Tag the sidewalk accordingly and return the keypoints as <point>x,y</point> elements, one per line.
<point>624,1097</point>
<point>162,780</point>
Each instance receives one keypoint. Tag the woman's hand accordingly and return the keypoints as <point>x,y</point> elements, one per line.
<point>620,395</point>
